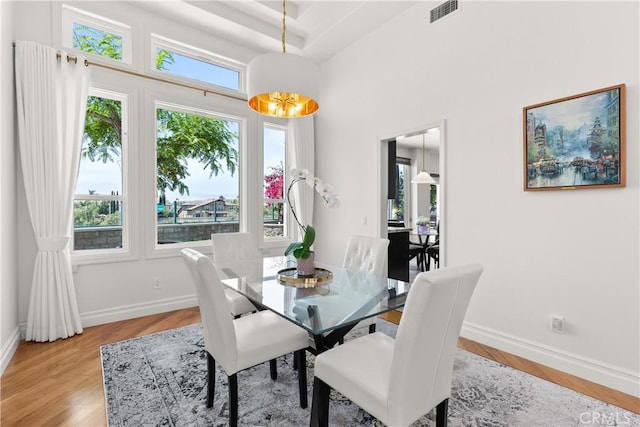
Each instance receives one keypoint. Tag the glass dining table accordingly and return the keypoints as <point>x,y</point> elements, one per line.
<point>327,305</point>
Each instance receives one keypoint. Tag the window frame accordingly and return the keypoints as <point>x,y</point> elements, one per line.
<point>157,41</point>
<point>95,256</point>
<point>285,239</point>
<point>180,100</point>
<point>275,245</point>
<point>72,15</point>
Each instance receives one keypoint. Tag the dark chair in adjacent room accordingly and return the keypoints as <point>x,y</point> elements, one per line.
<point>433,253</point>
<point>417,251</point>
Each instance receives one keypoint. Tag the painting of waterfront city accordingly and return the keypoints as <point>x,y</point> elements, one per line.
<point>576,142</point>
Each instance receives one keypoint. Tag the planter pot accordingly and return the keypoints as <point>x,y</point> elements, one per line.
<point>306,266</point>
<point>423,229</point>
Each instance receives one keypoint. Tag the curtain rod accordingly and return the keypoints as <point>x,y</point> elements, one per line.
<point>74,59</point>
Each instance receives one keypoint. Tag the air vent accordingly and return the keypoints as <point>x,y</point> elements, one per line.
<point>443,10</point>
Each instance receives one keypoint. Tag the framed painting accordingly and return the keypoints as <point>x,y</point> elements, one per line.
<point>576,142</point>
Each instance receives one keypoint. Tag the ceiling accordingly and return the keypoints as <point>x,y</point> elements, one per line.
<point>315,29</point>
<point>431,140</point>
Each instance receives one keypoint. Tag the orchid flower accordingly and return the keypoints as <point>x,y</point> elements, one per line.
<point>303,249</point>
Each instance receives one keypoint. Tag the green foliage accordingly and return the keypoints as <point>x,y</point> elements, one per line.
<point>302,249</point>
<point>88,213</point>
<point>181,136</point>
<point>102,130</point>
<point>433,195</point>
<point>398,202</point>
<point>163,58</point>
<point>98,42</point>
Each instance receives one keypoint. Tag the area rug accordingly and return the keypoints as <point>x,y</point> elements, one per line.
<point>160,380</point>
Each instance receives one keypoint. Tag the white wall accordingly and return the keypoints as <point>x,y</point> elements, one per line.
<point>119,290</point>
<point>8,237</point>
<point>570,253</point>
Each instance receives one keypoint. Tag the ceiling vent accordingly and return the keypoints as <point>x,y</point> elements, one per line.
<point>443,10</point>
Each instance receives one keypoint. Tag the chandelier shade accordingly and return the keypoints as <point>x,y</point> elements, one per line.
<point>423,178</point>
<point>283,85</point>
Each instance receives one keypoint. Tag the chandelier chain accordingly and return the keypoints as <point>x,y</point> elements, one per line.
<point>284,26</point>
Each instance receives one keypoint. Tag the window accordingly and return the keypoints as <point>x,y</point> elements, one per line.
<point>198,189</point>
<point>398,208</point>
<point>99,201</point>
<point>274,138</point>
<point>196,64</point>
<point>96,35</point>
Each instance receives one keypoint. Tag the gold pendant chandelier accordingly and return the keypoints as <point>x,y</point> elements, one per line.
<point>282,84</point>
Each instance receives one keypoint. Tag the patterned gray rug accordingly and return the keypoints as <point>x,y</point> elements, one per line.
<point>159,380</point>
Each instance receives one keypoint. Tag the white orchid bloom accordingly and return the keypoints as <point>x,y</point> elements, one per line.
<point>328,194</point>
<point>333,202</point>
<point>324,189</point>
<point>299,174</point>
<point>313,181</point>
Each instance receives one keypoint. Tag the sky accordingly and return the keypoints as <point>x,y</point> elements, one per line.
<point>103,178</point>
<point>574,113</point>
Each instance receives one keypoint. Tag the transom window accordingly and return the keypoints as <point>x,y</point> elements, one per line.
<point>96,35</point>
<point>189,62</point>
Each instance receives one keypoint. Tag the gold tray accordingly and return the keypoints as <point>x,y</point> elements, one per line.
<point>289,276</point>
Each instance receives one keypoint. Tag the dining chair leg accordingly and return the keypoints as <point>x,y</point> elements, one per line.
<point>233,400</point>
<point>273,368</point>
<point>211,379</point>
<point>301,357</point>
<point>441,413</point>
<point>320,404</point>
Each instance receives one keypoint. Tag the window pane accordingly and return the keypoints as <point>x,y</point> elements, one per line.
<point>397,206</point>
<point>196,69</point>
<point>197,181</point>
<point>98,42</point>
<point>101,162</point>
<point>97,224</point>
<point>274,203</point>
<point>98,205</point>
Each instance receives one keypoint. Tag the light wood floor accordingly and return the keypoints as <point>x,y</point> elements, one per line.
<point>60,383</point>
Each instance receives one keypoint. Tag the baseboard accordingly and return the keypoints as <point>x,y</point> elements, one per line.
<point>9,349</point>
<point>124,312</point>
<point>595,371</point>
<point>115,314</point>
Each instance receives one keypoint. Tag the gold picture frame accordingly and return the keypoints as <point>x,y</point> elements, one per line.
<point>576,142</point>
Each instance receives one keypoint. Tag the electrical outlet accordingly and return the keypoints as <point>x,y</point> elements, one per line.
<point>156,283</point>
<point>556,324</point>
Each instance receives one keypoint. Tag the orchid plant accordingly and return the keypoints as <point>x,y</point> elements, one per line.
<point>303,249</point>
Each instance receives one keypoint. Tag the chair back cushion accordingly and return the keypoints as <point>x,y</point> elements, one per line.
<point>365,253</point>
<point>426,340</point>
<point>230,249</point>
<point>217,321</point>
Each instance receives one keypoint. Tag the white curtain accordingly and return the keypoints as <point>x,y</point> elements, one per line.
<point>51,100</point>
<point>301,145</point>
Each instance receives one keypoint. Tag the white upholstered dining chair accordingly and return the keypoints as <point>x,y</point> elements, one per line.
<point>229,249</point>
<point>399,380</point>
<point>367,254</point>
<point>238,344</point>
